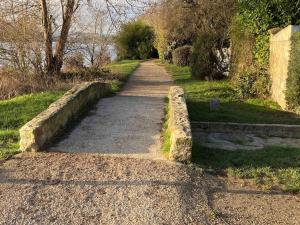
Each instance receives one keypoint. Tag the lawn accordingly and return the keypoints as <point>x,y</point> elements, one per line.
<point>199,93</point>
<point>270,168</point>
<point>14,113</point>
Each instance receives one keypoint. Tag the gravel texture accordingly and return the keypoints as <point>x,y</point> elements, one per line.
<point>129,123</point>
<point>62,188</point>
<point>82,188</point>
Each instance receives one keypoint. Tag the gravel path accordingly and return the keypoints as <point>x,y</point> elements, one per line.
<point>129,123</point>
<point>82,186</point>
<point>62,188</point>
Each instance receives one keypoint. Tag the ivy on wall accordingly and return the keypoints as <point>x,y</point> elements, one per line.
<point>250,27</point>
<point>293,80</point>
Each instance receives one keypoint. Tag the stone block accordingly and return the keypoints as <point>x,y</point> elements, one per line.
<point>179,127</point>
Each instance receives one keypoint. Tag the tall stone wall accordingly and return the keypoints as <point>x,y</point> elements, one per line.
<point>280,47</point>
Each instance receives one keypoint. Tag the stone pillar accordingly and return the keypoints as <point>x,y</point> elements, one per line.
<point>280,47</point>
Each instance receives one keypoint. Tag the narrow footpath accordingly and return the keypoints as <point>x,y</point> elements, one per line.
<point>129,123</point>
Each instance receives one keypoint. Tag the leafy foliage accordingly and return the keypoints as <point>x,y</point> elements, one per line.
<point>250,38</point>
<point>135,41</point>
<point>250,83</point>
<point>293,80</point>
<point>182,56</point>
<point>205,60</point>
<point>178,23</point>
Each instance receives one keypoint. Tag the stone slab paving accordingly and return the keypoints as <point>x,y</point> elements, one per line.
<point>242,141</point>
<point>129,123</point>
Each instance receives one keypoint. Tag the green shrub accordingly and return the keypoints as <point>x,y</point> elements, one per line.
<point>135,41</point>
<point>182,56</point>
<point>205,63</point>
<point>293,80</point>
<point>250,83</point>
<point>250,38</point>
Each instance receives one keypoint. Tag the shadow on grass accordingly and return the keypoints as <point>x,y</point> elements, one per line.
<point>268,168</point>
<point>240,112</point>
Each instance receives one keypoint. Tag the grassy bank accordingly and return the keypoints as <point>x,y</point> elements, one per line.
<point>15,112</point>
<point>199,93</point>
<point>271,168</point>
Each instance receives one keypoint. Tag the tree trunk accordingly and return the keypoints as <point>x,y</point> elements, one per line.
<point>48,37</point>
<point>54,61</point>
<point>61,44</point>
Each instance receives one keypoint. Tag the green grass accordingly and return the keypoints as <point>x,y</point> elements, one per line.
<point>270,168</point>
<point>166,134</point>
<point>15,112</point>
<point>124,69</point>
<point>199,93</point>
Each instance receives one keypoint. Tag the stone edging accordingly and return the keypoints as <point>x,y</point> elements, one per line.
<point>263,130</point>
<point>44,127</point>
<point>179,127</point>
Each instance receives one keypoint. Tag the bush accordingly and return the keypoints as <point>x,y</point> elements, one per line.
<point>205,60</point>
<point>135,41</point>
<point>74,62</point>
<point>250,83</point>
<point>182,56</point>
<point>293,80</point>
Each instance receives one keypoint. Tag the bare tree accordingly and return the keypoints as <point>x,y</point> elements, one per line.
<point>54,58</point>
<point>23,22</point>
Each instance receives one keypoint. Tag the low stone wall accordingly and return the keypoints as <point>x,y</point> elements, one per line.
<point>41,130</point>
<point>262,130</point>
<point>179,127</point>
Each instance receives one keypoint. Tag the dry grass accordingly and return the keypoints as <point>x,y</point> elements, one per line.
<point>14,84</point>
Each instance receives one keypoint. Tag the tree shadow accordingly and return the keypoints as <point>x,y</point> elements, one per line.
<point>240,112</point>
<point>272,157</point>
